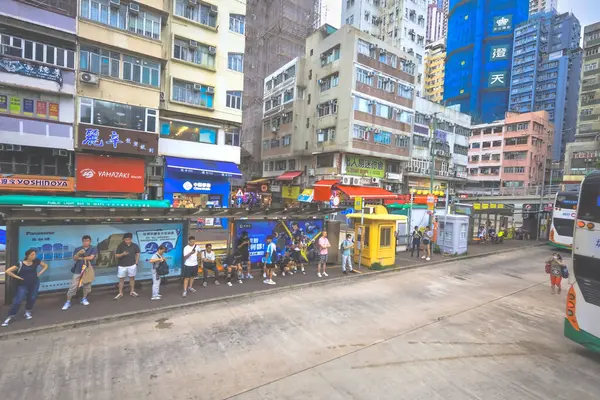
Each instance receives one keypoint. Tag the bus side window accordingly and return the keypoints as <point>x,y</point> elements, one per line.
<point>589,203</point>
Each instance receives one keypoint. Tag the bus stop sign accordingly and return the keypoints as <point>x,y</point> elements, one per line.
<point>358,203</point>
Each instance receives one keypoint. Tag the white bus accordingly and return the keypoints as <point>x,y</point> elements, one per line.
<point>582,320</point>
<point>563,220</point>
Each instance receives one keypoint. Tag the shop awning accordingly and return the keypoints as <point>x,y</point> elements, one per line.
<point>204,167</point>
<point>323,189</point>
<point>288,176</point>
<point>366,192</point>
<point>259,180</point>
<point>306,196</point>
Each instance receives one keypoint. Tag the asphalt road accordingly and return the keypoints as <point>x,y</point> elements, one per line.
<point>478,329</point>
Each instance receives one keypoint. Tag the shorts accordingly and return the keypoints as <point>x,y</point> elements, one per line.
<point>129,271</point>
<point>297,257</point>
<point>189,271</point>
<point>210,265</point>
<point>426,242</point>
<point>322,258</point>
<point>270,265</point>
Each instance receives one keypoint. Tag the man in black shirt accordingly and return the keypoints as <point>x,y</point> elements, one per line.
<point>243,251</point>
<point>128,254</point>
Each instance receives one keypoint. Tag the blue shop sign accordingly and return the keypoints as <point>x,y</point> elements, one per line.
<point>203,167</point>
<point>194,185</point>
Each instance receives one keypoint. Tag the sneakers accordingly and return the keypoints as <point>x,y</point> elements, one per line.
<point>264,275</point>
<point>249,276</point>
<point>184,294</point>
<point>345,272</point>
<point>120,295</point>
<point>6,321</point>
<point>422,258</point>
<point>325,273</point>
<point>271,282</point>
<point>84,302</point>
<point>274,274</point>
<point>66,306</point>
<point>192,290</point>
<point>204,284</point>
<point>240,281</point>
<point>319,274</point>
<point>266,281</point>
<point>351,270</point>
<point>217,283</point>
<point>428,259</point>
<point>229,284</point>
<point>133,294</point>
<point>155,298</point>
<point>28,315</point>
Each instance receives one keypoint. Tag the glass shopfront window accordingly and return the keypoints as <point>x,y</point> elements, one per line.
<point>188,132</point>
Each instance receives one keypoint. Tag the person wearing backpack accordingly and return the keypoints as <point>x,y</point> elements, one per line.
<point>28,280</point>
<point>416,241</point>
<point>346,251</point>
<point>156,261</point>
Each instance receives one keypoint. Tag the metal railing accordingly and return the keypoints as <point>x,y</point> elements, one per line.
<point>548,191</point>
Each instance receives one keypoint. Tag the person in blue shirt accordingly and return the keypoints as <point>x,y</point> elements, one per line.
<point>84,255</point>
<point>347,246</point>
<point>270,256</point>
<point>27,278</point>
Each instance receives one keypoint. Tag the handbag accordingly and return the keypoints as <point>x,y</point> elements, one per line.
<point>565,272</point>
<point>88,275</point>
<point>547,268</point>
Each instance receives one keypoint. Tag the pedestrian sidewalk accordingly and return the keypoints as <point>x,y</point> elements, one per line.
<point>48,314</point>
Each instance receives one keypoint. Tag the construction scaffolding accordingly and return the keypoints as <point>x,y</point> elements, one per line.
<point>276,32</point>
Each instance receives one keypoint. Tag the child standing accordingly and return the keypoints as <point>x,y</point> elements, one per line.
<point>556,272</point>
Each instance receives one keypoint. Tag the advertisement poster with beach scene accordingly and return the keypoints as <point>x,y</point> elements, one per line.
<point>55,245</point>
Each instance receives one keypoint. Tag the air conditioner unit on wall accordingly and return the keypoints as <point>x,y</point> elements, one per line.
<point>88,78</point>
<point>355,181</point>
<point>115,3</point>
<point>375,180</point>
<point>193,43</point>
<point>311,172</point>
<point>134,8</point>
<point>346,180</point>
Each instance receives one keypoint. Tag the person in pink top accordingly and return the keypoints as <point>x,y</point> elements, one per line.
<point>324,246</point>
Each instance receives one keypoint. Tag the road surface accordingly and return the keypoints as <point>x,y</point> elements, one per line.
<point>486,328</point>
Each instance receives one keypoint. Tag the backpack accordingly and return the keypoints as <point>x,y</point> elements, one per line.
<point>163,268</point>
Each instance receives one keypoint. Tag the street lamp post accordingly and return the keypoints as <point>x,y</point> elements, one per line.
<point>432,158</point>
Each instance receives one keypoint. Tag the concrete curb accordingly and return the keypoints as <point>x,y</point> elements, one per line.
<point>258,293</point>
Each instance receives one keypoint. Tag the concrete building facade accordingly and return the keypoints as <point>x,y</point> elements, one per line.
<point>435,66</point>
<point>511,155</point>
<point>583,155</point>
<point>345,111</point>
<point>436,18</point>
<point>400,23</point>
<point>536,6</point>
<point>546,72</point>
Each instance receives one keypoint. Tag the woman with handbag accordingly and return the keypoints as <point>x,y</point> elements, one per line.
<point>156,260</point>
<point>28,281</point>
<point>557,270</point>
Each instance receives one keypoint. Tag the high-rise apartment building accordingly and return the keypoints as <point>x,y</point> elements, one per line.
<point>536,6</point>
<point>436,18</point>
<point>546,72</point>
<point>276,33</point>
<point>400,23</point>
<point>344,109</point>
<point>511,155</point>
<point>475,77</point>
<point>583,155</point>
<point>435,60</point>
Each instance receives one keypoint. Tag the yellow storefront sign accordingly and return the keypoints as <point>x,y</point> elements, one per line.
<point>290,192</point>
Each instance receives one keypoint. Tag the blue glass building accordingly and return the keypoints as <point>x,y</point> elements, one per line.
<point>546,71</point>
<point>479,55</point>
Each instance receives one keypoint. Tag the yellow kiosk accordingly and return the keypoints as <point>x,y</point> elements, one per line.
<point>376,235</point>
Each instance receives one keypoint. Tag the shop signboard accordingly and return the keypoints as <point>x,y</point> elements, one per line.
<point>283,232</point>
<point>34,183</point>
<point>191,191</point>
<point>289,192</point>
<point>30,69</point>
<point>114,140</point>
<point>109,174</point>
<point>502,23</point>
<point>55,245</point>
<point>365,166</point>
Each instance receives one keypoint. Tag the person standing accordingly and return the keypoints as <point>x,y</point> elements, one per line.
<point>324,246</point>
<point>556,272</point>
<point>270,255</point>
<point>427,237</point>
<point>189,272</point>
<point>243,250</point>
<point>28,281</point>
<point>156,259</point>
<point>85,255</point>
<point>347,246</point>
<point>209,262</point>
<point>416,241</point>
<point>128,254</point>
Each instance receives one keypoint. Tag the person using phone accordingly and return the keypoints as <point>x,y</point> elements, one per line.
<point>189,272</point>
<point>128,254</point>
<point>83,255</point>
<point>156,259</point>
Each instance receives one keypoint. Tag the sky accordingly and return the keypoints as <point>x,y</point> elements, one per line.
<point>587,11</point>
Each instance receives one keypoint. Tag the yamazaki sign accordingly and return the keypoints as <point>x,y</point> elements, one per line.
<point>109,174</point>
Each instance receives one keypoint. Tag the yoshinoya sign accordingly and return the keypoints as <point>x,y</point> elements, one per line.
<point>109,174</point>
<point>32,70</point>
<point>32,183</point>
<point>502,23</point>
<point>113,140</point>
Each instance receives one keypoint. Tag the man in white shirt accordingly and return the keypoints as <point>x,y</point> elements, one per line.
<point>190,265</point>
<point>209,261</point>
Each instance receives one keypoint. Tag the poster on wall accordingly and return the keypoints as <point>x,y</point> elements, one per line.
<point>3,103</point>
<point>15,105</point>
<point>2,238</point>
<point>55,245</point>
<point>53,110</point>
<point>282,231</point>
<point>41,109</point>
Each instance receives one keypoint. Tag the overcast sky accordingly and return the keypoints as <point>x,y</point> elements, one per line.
<point>587,11</point>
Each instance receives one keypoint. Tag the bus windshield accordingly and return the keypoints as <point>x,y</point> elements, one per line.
<point>566,201</point>
<point>589,209</point>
